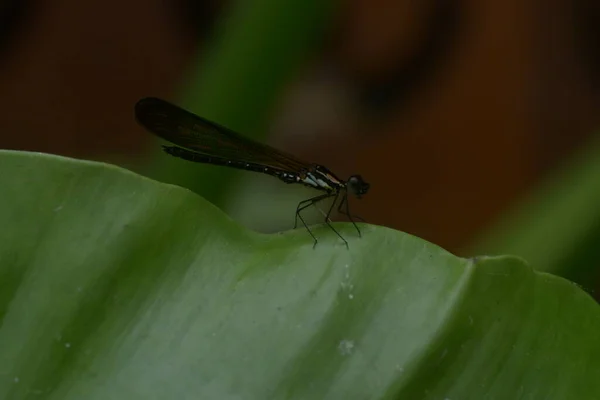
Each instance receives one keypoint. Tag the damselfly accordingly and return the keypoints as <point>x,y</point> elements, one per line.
<point>203,141</point>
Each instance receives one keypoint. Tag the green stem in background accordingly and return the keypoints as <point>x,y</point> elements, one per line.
<point>256,51</point>
<point>558,227</point>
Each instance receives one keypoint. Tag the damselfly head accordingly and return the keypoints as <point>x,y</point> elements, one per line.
<point>357,186</point>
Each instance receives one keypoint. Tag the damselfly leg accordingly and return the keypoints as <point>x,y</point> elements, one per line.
<point>313,201</point>
<point>346,212</point>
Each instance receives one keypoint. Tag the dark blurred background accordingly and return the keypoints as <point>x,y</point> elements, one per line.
<point>452,110</point>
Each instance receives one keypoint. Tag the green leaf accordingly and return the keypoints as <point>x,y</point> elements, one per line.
<point>557,227</point>
<point>114,286</point>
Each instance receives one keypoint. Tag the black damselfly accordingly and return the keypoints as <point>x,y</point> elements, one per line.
<point>203,141</point>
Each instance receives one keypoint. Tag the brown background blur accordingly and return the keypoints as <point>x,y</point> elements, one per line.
<point>502,92</point>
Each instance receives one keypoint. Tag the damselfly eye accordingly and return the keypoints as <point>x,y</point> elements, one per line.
<point>357,186</point>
